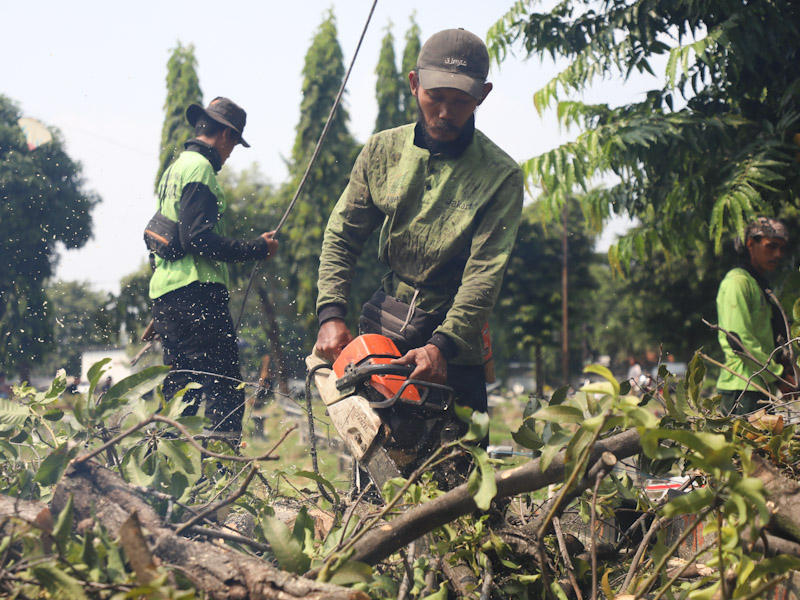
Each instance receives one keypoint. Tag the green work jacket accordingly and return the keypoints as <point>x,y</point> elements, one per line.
<point>189,167</point>
<point>742,308</point>
<point>448,226</point>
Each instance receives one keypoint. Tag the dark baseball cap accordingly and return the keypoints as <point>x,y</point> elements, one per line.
<point>222,110</point>
<point>454,58</point>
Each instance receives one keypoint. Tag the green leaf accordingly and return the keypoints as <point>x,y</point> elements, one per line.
<point>94,374</point>
<point>13,413</point>
<point>63,526</point>
<point>526,436</point>
<point>321,480</point>
<point>304,529</point>
<point>481,484</point>
<point>554,445</point>
<point>559,395</point>
<point>691,503</point>
<point>54,464</point>
<point>58,583</point>
<point>179,487</point>
<point>175,451</point>
<point>605,374</point>
<point>560,414</point>
<point>352,572</point>
<point>55,414</point>
<point>440,594</point>
<point>285,548</point>
<point>775,566</point>
<point>132,465</point>
<point>137,385</point>
<point>88,553</point>
<point>58,385</point>
<point>477,422</point>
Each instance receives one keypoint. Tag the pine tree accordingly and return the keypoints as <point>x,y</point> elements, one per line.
<point>388,87</point>
<point>183,89</point>
<point>410,55</point>
<point>322,76</point>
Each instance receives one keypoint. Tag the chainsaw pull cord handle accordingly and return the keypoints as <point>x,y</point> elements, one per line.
<point>411,308</point>
<point>311,162</point>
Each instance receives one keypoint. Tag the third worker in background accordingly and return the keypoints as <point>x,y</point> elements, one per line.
<point>448,203</point>
<point>754,322</point>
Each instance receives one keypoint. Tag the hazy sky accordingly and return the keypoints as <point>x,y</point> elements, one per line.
<point>96,71</point>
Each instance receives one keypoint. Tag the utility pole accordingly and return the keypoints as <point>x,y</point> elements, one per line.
<point>564,312</point>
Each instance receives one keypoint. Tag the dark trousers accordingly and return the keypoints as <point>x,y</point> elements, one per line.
<point>196,330</point>
<point>749,402</point>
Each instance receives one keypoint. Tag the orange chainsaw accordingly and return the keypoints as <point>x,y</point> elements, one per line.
<point>390,423</point>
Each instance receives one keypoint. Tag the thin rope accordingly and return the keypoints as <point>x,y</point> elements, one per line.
<point>310,162</point>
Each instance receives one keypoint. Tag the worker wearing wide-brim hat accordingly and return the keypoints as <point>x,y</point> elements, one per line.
<point>190,293</point>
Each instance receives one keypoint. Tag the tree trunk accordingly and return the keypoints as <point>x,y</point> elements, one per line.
<point>784,493</point>
<point>101,495</point>
<point>416,522</point>
<point>539,370</point>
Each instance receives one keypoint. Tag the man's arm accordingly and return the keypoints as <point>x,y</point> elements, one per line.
<point>199,214</point>
<point>492,243</point>
<point>352,221</point>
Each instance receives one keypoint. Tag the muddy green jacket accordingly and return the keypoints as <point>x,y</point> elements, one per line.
<point>743,309</point>
<point>448,226</point>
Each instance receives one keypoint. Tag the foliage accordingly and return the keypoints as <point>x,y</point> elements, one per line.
<point>44,204</point>
<point>183,89</point>
<point>528,312</point>
<point>388,86</point>
<point>681,431</point>
<point>322,76</point>
<point>267,323</point>
<point>81,318</point>
<point>132,304</point>
<point>694,158</point>
<point>658,307</point>
<point>409,63</point>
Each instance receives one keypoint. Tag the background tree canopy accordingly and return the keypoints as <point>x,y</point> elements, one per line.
<point>44,204</point>
<point>699,155</point>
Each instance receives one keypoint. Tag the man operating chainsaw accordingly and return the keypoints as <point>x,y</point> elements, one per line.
<point>448,202</point>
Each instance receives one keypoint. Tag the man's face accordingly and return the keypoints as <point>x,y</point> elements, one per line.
<point>765,253</point>
<point>445,110</point>
<point>228,141</point>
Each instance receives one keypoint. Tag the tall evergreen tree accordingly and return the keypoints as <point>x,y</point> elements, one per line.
<point>183,89</point>
<point>388,87</point>
<point>410,55</point>
<point>44,203</point>
<point>322,76</point>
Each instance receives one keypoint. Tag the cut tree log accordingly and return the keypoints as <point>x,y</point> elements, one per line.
<point>389,537</point>
<point>784,494</point>
<point>100,494</point>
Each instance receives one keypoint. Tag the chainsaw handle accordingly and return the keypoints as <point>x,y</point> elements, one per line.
<point>366,371</point>
<point>427,387</point>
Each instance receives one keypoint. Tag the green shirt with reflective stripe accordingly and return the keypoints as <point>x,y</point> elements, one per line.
<point>448,226</point>
<point>742,308</point>
<point>189,167</point>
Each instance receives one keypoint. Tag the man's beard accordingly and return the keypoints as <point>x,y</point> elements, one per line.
<point>453,147</point>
